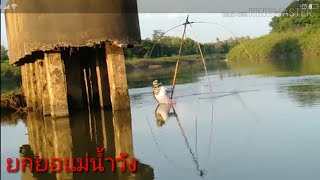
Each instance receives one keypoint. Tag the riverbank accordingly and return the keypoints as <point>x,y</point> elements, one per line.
<point>279,46</point>
<point>11,76</point>
<point>13,102</point>
<point>165,62</point>
<point>159,68</point>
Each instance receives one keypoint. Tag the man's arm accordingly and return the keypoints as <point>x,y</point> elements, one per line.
<point>169,90</point>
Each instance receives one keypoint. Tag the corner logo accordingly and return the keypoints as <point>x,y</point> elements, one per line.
<point>304,6</point>
<point>313,6</point>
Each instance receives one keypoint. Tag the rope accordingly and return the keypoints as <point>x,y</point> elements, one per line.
<point>194,158</point>
<point>230,33</point>
<point>203,60</point>
<point>196,125</point>
<point>211,131</point>
<point>163,36</point>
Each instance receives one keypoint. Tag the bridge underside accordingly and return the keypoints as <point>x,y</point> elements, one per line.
<point>60,81</point>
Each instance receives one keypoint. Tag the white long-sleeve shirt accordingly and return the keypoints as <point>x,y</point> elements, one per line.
<point>163,95</point>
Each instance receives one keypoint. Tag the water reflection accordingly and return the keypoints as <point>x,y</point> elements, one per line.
<point>287,55</point>
<point>283,67</point>
<point>187,73</point>
<point>190,144</point>
<point>162,113</point>
<point>77,135</point>
<point>306,92</point>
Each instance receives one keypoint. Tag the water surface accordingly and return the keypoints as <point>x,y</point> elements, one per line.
<point>260,123</point>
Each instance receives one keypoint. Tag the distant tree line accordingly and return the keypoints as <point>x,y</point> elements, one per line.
<point>297,16</point>
<point>166,46</point>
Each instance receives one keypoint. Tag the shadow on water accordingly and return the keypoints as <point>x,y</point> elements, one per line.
<point>287,55</point>
<point>79,134</point>
<point>306,92</point>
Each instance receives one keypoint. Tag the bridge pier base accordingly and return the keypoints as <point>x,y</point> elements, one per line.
<point>74,76</point>
<point>61,81</point>
<point>57,86</point>
<point>24,81</point>
<point>102,79</point>
<point>38,85</point>
<point>119,94</point>
<point>31,87</point>
<point>45,101</point>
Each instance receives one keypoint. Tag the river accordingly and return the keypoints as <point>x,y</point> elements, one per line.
<point>261,122</point>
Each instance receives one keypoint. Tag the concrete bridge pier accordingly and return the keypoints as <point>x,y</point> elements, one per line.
<point>44,85</point>
<point>117,78</point>
<point>56,83</point>
<point>72,60</point>
<point>63,80</point>
<point>99,80</point>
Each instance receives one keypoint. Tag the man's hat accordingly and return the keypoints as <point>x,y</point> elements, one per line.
<point>156,83</point>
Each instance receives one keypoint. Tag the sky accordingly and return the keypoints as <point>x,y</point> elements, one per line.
<point>231,26</point>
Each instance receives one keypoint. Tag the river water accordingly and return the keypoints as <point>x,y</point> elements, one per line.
<point>260,122</point>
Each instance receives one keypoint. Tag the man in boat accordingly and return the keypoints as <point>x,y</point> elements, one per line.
<point>161,93</point>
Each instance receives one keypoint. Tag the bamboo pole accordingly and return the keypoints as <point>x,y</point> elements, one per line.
<point>178,61</point>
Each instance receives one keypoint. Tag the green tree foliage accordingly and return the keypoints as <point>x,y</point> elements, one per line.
<point>297,16</point>
<point>295,34</point>
<point>157,34</point>
<point>166,46</point>
<point>4,53</point>
<point>263,48</point>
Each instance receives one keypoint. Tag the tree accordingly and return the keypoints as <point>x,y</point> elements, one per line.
<point>218,46</point>
<point>4,53</point>
<point>157,34</point>
<point>295,18</point>
<point>166,46</point>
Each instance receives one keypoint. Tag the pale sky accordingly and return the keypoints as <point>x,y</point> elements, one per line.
<point>238,26</point>
<point>169,17</point>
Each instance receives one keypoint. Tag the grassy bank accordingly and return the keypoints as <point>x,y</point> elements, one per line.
<point>10,77</point>
<point>279,46</point>
<point>8,71</point>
